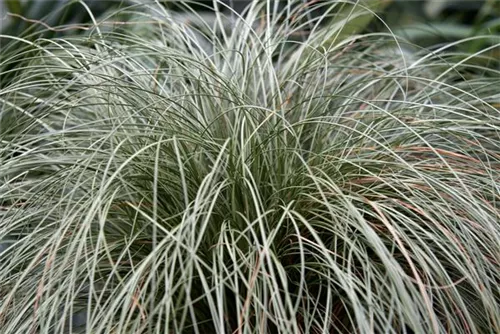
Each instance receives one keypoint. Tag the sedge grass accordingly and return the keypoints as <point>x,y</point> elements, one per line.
<point>161,178</point>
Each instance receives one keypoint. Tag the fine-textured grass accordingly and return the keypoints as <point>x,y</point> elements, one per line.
<point>267,178</point>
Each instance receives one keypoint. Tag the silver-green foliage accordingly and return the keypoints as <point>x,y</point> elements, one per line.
<point>156,178</point>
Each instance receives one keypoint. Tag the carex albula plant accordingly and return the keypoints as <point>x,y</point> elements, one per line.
<point>261,173</point>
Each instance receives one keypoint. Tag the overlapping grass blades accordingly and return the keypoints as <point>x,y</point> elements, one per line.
<point>163,179</point>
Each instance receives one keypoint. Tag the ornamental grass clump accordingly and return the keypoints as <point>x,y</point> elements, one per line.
<point>263,173</point>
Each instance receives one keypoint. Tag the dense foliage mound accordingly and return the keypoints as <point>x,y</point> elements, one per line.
<point>279,176</point>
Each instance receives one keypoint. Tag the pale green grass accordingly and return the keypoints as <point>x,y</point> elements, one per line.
<point>155,178</point>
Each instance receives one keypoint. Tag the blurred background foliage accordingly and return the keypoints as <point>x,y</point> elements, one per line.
<point>423,22</point>
<point>434,22</point>
<point>426,23</point>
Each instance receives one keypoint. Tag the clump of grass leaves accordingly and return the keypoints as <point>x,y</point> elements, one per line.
<point>255,174</point>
